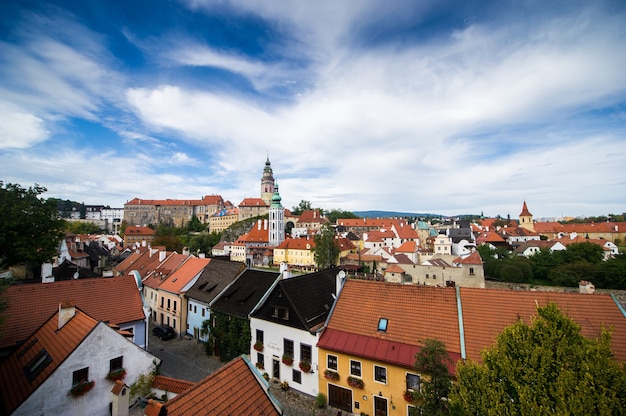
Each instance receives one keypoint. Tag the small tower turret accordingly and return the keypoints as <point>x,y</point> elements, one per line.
<point>267,182</point>
<point>526,219</point>
<point>276,219</point>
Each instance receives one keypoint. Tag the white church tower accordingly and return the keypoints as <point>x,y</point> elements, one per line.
<point>276,220</point>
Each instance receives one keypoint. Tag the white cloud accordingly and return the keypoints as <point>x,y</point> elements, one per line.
<point>20,129</point>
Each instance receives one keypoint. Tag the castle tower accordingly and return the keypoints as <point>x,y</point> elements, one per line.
<point>276,219</point>
<point>526,219</point>
<point>267,183</point>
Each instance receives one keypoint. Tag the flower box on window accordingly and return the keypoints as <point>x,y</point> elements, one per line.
<point>355,382</point>
<point>331,375</point>
<point>82,388</point>
<point>305,366</point>
<point>260,366</point>
<point>116,374</point>
<point>287,359</point>
<point>408,396</point>
<point>258,346</point>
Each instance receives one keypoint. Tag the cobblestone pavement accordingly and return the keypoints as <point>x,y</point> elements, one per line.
<point>185,359</point>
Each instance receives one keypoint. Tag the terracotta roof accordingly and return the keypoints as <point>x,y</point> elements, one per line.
<point>213,200</point>
<point>407,247</point>
<point>297,244</point>
<point>170,384</point>
<point>253,202</point>
<point>47,341</point>
<point>116,300</point>
<point>138,261</point>
<point>158,272</point>
<point>405,232</point>
<point>135,230</point>
<point>118,387</point>
<point>473,258</point>
<point>394,268</point>
<point>165,202</point>
<point>486,312</point>
<point>311,216</point>
<point>181,277</point>
<point>525,212</point>
<point>234,389</point>
<point>413,313</point>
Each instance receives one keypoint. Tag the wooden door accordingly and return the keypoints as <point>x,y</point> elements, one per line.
<point>340,398</point>
<point>380,406</point>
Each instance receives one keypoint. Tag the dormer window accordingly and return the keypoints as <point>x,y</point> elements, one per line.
<point>382,324</point>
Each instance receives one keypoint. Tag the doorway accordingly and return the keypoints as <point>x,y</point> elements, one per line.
<point>380,406</point>
<point>276,369</point>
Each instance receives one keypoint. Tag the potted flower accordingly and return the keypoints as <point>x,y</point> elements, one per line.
<point>408,396</point>
<point>260,366</point>
<point>266,376</point>
<point>258,346</point>
<point>287,359</point>
<point>355,382</point>
<point>82,388</point>
<point>331,375</point>
<point>305,366</point>
<point>284,385</point>
<point>115,375</point>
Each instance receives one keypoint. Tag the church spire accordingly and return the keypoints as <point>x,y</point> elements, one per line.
<point>267,182</point>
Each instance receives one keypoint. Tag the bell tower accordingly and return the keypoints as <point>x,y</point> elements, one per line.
<point>277,220</point>
<point>526,219</point>
<point>267,183</point>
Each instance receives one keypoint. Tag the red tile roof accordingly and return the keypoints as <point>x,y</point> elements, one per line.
<point>253,202</point>
<point>15,387</point>
<point>525,212</point>
<point>170,384</point>
<point>413,312</point>
<point>178,279</point>
<point>486,312</point>
<point>135,230</point>
<point>116,300</point>
<point>473,258</point>
<point>156,275</point>
<point>232,390</point>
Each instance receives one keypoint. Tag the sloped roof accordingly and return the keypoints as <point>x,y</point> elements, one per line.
<point>178,279</point>
<point>49,343</point>
<point>310,297</point>
<point>115,300</point>
<point>413,313</point>
<point>170,384</point>
<point>405,231</point>
<point>297,244</point>
<point>136,230</point>
<point>234,389</point>
<point>244,293</point>
<point>473,258</point>
<point>525,212</point>
<point>253,202</point>
<point>394,268</point>
<point>214,278</point>
<point>407,247</point>
<point>156,273</point>
<point>486,312</point>
<point>311,216</point>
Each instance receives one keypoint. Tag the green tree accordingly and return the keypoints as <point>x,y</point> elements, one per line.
<point>612,273</point>
<point>433,360</point>
<point>302,206</point>
<point>326,252</point>
<point>590,252</point>
<point>30,227</point>
<point>543,368</point>
<point>570,274</point>
<point>334,214</point>
<point>195,225</point>
<point>204,242</point>
<point>82,227</point>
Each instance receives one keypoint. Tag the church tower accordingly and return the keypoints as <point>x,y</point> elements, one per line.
<point>276,220</point>
<point>267,183</point>
<point>526,219</point>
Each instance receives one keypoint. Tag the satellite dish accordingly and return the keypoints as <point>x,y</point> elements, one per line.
<point>76,275</point>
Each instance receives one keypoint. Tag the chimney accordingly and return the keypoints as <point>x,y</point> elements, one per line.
<point>162,255</point>
<point>259,225</point>
<point>120,400</point>
<point>340,279</point>
<point>67,310</point>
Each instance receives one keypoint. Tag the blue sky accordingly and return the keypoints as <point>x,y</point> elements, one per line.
<point>447,107</point>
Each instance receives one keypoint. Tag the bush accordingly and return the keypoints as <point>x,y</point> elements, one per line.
<point>320,400</point>
<point>511,273</point>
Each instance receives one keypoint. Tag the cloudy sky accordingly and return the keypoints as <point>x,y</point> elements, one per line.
<point>421,106</point>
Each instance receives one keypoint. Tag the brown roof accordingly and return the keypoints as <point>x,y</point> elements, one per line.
<point>170,384</point>
<point>136,230</point>
<point>253,202</point>
<point>525,212</point>
<point>486,312</point>
<point>116,300</point>
<point>232,390</point>
<point>57,344</point>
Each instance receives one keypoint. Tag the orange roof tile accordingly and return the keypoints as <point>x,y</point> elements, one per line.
<point>253,202</point>
<point>57,344</point>
<point>407,247</point>
<point>525,212</point>
<point>161,271</point>
<point>116,300</point>
<point>232,390</point>
<point>413,312</point>
<point>135,230</point>
<point>486,312</point>
<point>178,279</point>
<point>170,384</point>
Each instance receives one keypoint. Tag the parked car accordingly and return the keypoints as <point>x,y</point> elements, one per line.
<point>164,332</point>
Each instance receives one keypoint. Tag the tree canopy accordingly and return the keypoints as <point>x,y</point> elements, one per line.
<point>432,360</point>
<point>326,251</point>
<point>30,229</point>
<point>543,368</point>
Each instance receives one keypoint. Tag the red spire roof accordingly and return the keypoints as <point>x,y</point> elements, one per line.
<point>525,212</point>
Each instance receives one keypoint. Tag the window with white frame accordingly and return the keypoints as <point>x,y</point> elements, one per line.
<point>331,362</point>
<point>412,381</point>
<point>355,368</point>
<point>380,374</point>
